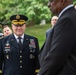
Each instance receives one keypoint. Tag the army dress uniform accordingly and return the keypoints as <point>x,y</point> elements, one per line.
<point>16,61</point>
<point>19,60</point>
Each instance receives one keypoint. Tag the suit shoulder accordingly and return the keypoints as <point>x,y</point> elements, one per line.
<point>49,30</point>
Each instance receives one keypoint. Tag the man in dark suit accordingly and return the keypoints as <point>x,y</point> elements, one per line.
<point>59,53</point>
<point>19,51</point>
<point>53,21</point>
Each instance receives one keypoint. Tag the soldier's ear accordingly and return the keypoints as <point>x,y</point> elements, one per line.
<point>62,2</point>
<point>25,25</point>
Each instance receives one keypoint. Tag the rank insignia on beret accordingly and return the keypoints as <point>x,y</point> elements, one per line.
<point>18,17</point>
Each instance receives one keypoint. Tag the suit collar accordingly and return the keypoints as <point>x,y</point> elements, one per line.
<point>66,8</point>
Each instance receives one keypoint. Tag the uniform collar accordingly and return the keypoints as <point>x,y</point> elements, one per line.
<point>18,36</point>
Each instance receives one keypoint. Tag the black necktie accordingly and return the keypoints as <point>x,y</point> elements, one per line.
<point>20,43</point>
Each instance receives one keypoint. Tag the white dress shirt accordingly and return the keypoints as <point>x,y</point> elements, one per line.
<point>22,38</point>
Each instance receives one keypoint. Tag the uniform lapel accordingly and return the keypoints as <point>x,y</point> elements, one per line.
<point>13,41</point>
<point>25,41</point>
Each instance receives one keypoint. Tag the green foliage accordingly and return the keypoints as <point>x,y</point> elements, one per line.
<point>74,2</point>
<point>39,32</point>
<point>36,10</point>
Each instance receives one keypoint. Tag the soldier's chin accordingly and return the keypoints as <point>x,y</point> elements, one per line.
<point>18,34</point>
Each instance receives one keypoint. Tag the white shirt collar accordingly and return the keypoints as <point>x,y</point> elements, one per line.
<point>18,36</point>
<point>69,6</point>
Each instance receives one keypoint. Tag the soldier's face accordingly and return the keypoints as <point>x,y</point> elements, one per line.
<point>7,31</point>
<point>19,29</point>
<point>54,20</point>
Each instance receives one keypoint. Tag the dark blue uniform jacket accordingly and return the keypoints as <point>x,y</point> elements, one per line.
<point>18,61</point>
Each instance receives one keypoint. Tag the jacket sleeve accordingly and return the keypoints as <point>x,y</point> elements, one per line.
<point>60,48</point>
<point>37,65</point>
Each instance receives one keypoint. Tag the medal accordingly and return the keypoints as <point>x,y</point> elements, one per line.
<point>7,56</point>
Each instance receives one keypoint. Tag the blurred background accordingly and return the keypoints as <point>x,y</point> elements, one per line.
<point>37,11</point>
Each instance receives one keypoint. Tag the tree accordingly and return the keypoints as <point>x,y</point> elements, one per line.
<point>36,10</point>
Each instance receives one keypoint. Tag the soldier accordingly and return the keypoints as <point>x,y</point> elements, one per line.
<point>19,51</point>
<point>6,30</point>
